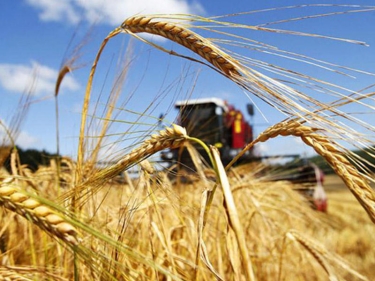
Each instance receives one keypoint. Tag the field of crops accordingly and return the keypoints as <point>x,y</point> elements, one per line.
<point>152,229</point>
<point>78,220</point>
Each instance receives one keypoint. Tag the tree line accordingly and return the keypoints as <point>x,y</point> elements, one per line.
<point>33,158</point>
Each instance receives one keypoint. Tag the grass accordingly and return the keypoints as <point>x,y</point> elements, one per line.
<point>74,221</point>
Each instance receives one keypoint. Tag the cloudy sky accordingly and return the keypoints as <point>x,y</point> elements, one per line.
<point>38,36</point>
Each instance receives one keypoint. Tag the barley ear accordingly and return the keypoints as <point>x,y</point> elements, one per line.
<point>171,137</point>
<point>317,252</point>
<point>33,210</point>
<point>184,37</point>
<point>12,275</point>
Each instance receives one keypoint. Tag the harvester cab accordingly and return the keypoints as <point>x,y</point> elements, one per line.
<point>217,123</point>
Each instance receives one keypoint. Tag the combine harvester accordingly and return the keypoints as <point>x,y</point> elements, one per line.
<point>218,123</point>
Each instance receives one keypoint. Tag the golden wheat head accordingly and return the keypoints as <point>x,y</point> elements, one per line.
<point>35,211</point>
<point>184,37</point>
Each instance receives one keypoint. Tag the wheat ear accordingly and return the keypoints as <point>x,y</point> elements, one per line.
<point>330,152</point>
<point>184,37</point>
<point>172,137</point>
<point>11,275</point>
<point>322,256</point>
<point>35,211</point>
<point>317,252</point>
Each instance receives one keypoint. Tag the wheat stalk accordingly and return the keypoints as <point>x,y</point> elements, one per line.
<point>233,216</point>
<point>32,209</point>
<point>85,108</point>
<point>328,149</point>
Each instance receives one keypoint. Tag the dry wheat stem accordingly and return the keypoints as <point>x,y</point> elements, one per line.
<point>202,248</point>
<point>232,215</point>
<point>184,37</point>
<point>353,179</point>
<point>85,108</point>
<point>114,95</point>
<point>33,210</point>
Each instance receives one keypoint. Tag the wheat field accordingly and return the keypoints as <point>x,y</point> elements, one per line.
<point>76,220</point>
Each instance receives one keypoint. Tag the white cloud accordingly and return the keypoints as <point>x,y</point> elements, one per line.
<point>261,149</point>
<point>55,10</point>
<point>39,78</point>
<point>24,139</point>
<point>111,12</point>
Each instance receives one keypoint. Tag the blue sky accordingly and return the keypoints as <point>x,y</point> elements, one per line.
<point>38,35</point>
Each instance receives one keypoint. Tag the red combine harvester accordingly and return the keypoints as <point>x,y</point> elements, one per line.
<point>215,122</point>
<point>218,123</point>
